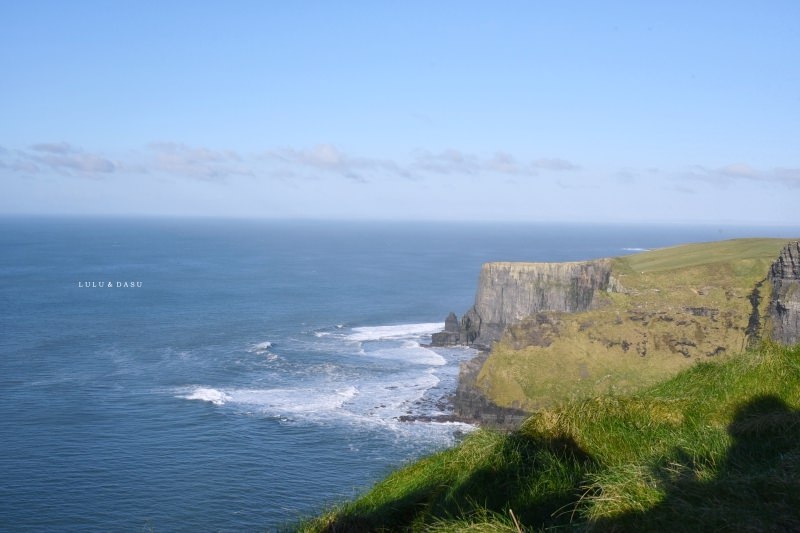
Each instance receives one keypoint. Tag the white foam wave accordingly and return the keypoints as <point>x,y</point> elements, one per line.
<point>261,347</point>
<point>636,249</point>
<point>278,401</point>
<point>384,401</point>
<point>294,401</point>
<point>206,394</point>
<point>401,331</point>
<point>321,380</point>
<point>408,351</point>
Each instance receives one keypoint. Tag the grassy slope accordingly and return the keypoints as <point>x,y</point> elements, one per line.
<point>675,307</point>
<point>716,447</point>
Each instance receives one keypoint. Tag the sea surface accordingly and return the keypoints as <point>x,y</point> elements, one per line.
<point>251,373</point>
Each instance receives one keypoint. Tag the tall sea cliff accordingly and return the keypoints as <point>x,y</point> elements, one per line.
<point>511,292</point>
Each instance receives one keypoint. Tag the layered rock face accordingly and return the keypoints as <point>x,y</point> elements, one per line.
<point>784,310</point>
<point>510,292</point>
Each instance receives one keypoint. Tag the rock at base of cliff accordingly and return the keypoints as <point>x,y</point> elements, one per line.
<point>451,336</point>
<point>471,405</point>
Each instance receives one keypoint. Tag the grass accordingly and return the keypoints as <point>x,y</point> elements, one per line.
<point>674,307</point>
<point>716,447</point>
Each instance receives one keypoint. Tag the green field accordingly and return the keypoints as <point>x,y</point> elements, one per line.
<point>715,448</point>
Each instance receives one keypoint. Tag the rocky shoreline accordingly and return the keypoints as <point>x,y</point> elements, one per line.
<point>469,405</point>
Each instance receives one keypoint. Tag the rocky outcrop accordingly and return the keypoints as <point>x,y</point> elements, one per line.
<point>784,309</point>
<point>451,335</point>
<point>471,405</point>
<point>510,292</point>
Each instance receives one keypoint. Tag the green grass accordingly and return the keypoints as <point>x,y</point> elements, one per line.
<point>689,255</point>
<point>716,447</point>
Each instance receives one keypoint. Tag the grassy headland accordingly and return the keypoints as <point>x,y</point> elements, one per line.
<point>716,447</point>
<point>668,309</point>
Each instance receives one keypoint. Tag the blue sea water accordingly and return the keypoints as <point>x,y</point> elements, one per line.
<point>251,373</point>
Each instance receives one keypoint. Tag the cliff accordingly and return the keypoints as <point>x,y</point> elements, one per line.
<point>557,331</point>
<point>784,310</point>
<point>511,292</point>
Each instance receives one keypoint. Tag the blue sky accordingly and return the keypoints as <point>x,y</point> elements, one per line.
<point>524,111</point>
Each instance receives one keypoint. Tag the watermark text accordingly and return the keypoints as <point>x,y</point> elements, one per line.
<point>110,284</point>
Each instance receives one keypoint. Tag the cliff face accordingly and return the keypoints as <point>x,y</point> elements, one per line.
<point>510,292</point>
<point>784,309</point>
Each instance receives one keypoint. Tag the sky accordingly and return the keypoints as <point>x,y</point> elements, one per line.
<point>541,111</point>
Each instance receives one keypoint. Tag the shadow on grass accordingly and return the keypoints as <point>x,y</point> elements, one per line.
<point>527,473</point>
<point>755,488</point>
<point>531,475</point>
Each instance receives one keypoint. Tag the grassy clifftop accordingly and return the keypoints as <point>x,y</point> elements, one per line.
<point>668,309</point>
<point>716,447</point>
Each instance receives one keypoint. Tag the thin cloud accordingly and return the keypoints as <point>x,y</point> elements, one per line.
<point>627,176</point>
<point>554,164</point>
<point>325,156</point>
<point>788,176</point>
<point>196,163</point>
<point>450,161</point>
<point>735,172</point>
<point>17,162</point>
<point>24,167</point>
<point>329,158</point>
<point>739,170</point>
<point>504,163</point>
<point>456,162</point>
<point>683,189</point>
<point>53,148</point>
<point>66,159</point>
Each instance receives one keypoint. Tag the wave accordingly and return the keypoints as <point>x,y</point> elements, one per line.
<point>369,376</point>
<point>277,401</point>
<point>207,394</point>
<point>363,400</point>
<point>401,331</point>
<point>261,347</point>
<point>285,401</point>
<point>408,351</point>
<point>636,249</point>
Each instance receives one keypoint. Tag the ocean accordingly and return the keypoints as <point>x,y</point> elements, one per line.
<point>232,375</point>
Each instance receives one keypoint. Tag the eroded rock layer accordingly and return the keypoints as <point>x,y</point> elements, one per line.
<point>784,307</point>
